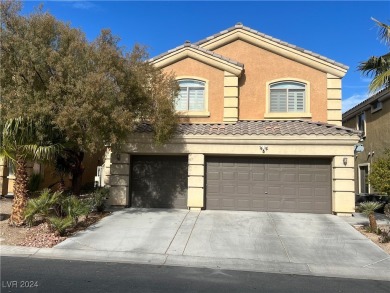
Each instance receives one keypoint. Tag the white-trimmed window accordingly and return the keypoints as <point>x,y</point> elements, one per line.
<point>287,96</point>
<point>191,95</point>
<point>364,186</point>
<point>376,106</point>
<point>361,122</point>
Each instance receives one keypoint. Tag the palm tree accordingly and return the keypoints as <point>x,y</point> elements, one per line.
<point>368,209</point>
<point>26,139</point>
<point>378,67</point>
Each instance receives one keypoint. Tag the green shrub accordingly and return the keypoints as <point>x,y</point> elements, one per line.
<point>41,206</point>
<point>98,200</point>
<point>60,225</point>
<point>74,208</point>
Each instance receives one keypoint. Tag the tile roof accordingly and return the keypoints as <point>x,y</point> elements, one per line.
<point>248,29</point>
<point>187,44</point>
<point>260,127</point>
<point>382,94</point>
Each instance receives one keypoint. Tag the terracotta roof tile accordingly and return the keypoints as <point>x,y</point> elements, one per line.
<point>260,127</point>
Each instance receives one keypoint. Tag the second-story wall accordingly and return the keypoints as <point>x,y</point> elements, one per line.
<point>262,67</point>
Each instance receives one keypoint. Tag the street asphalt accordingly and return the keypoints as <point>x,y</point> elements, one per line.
<point>286,243</point>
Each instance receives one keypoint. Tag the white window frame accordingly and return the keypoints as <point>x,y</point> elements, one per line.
<point>359,176</point>
<point>192,113</point>
<point>287,115</point>
<point>377,108</point>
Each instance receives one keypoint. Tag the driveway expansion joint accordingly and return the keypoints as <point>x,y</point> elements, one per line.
<point>192,229</point>
<point>280,239</point>
<point>173,238</point>
<point>366,266</point>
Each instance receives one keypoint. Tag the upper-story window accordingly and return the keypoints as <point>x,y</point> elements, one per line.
<point>287,96</point>
<point>361,123</point>
<point>191,95</point>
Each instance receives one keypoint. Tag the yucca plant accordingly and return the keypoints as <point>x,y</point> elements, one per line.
<point>42,205</point>
<point>61,224</point>
<point>368,209</point>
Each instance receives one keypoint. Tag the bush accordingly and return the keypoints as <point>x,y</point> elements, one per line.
<point>41,206</point>
<point>74,208</point>
<point>386,210</point>
<point>379,177</point>
<point>98,200</point>
<point>384,236</point>
<point>60,225</point>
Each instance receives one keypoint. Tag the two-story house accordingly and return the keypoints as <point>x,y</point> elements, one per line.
<point>261,131</point>
<point>372,117</point>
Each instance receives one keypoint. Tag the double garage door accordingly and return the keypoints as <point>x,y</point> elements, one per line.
<point>235,183</point>
<point>268,184</point>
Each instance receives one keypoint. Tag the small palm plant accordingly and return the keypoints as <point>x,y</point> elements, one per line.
<point>368,209</point>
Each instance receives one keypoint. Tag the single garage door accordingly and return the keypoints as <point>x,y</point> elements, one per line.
<point>159,181</point>
<point>269,184</point>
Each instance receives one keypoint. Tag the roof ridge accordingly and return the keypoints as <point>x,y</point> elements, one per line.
<point>239,25</point>
<point>188,44</point>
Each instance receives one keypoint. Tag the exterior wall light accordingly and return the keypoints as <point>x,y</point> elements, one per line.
<point>345,161</point>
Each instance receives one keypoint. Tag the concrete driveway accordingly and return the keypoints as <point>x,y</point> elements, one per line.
<point>212,236</point>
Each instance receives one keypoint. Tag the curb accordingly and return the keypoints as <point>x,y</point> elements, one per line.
<point>335,271</point>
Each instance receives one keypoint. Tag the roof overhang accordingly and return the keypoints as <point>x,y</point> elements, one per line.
<point>199,55</point>
<point>276,46</point>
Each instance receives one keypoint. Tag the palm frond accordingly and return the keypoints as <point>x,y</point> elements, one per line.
<point>384,31</point>
<point>380,81</point>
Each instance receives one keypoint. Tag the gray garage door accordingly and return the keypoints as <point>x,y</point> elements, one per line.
<point>268,184</point>
<point>159,181</point>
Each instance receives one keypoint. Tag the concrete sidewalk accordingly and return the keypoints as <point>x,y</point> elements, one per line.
<point>306,244</point>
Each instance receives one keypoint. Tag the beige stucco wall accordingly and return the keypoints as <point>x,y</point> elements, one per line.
<point>343,199</point>
<point>377,137</point>
<point>189,67</point>
<point>262,66</point>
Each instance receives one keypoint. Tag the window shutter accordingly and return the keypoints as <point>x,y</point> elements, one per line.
<point>182,100</point>
<point>296,101</point>
<point>287,96</point>
<point>196,99</point>
<point>278,100</point>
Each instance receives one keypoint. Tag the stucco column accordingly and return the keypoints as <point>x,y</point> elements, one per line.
<point>119,179</point>
<point>230,104</point>
<point>343,197</point>
<point>195,181</point>
<point>107,167</point>
<point>334,99</point>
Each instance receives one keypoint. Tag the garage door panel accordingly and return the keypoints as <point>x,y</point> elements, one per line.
<point>269,184</point>
<point>159,181</point>
<point>230,175</point>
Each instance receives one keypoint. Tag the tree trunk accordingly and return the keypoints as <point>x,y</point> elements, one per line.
<point>20,193</point>
<point>373,225</point>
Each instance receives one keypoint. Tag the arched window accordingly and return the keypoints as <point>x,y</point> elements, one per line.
<point>191,95</point>
<point>287,96</point>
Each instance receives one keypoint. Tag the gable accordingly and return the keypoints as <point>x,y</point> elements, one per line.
<point>202,55</point>
<point>239,32</point>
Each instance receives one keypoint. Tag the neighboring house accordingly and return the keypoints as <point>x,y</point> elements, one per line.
<point>261,131</point>
<point>47,173</point>
<point>372,117</point>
